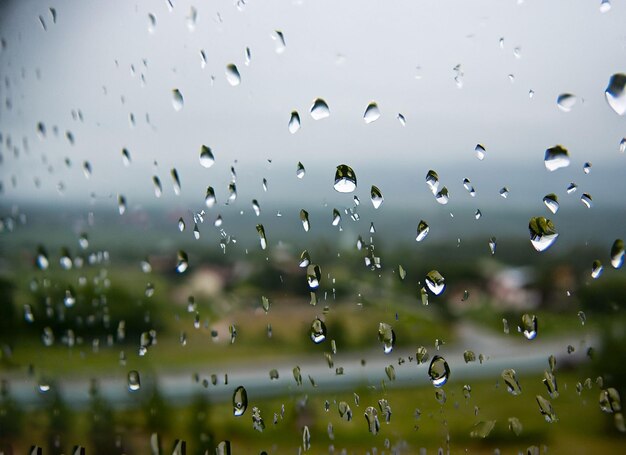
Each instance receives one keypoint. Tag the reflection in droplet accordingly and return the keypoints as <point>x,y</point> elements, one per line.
<point>177,100</point>
<point>377,197</point>
<point>206,157</point>
<point>615,93</point>
<point>504,192</point>
<point>571,188</point>
<point>551,201</point>
<point>435,282</point>
<point>566,101</point>
<point>158,188</point>
<point>232,74</point>
<point>439,371</point>
<point>181,224</point>
<point>318,331</point>
<point>617,254</point>
<point>345,179</point>
<point>372,113</point>
<point>319,109</point>
<point>294,122</point>
<point>542,233</point>
<point>387,336</point>
<point>422,231</point>
<point>133,380</point>
<point>402,120</point>
<point>587,167</point>
<point>556,157</point>
<point>510,380</point>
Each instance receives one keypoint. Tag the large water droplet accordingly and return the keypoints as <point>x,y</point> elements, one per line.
<point>422,231</point>
<point>551,201</point>
<point>546,409</point>
<point>542,233</point>
<point>206,157</point>
<point>318,331</point>
<point>615,93</point>
<point>566,101</point>
<point>240,401</point>
<point>372,113</point>
<point>371,416</point>
<point>556,157</point>
<point>510,380</point>
<point>345,179</point>
<point>435,282</point>
<point>617,253</point>
<point>319,109</point>
<point>232,74</point>
<point>529,326</point>
<point>377,197</point>
<point>439,371</point>
<point>387,336</point>
<point>177,100</point>
<point>294,122</point>
<point>133,380</point>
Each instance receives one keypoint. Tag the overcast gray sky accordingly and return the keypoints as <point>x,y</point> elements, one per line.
<point>400,54</point>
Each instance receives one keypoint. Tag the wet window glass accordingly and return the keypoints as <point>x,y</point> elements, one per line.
<point>325,227</point>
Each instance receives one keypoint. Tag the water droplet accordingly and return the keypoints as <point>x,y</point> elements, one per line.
<point>546,409</point>
<point>422,231</point>
<point>261,231</point>
<point>223,448</point>
<point>480,151</point>
<point>622,145</point>
<point>617,254</point>
<point>387,336</point>
<point>345,179</point>
<point>421,355</point>
<point>306,438</point>
<point>468,186</point>
<point>182,262</point>
<point>240,401</point>
<point>510,380</point>
<point>305,259</point>
<point>279,40</point>
<point>344,411</point>
<point>177,100</point>
<point>232,192</point>
<point>209,199</point>
<point>304,217</point>
<point>423,296</point>
<point>121,204</point>
<point>556,157</point>
<point>492,245</point>
<point>247,56</point>
<point>377,197</point>
<point>432,180</point>
<point>605,6</point>
<point>133,380</point>
<point>435,282</point>
<point>478,214</point>
<point>318,331</point>
<point>313,276</point>
<point>158,188</point>
<point>615,93</point>
<point>257,421</point>
<point>610,401</point>
<point>372,113</point>
<point>336,217</point>
<point>469,356</point>
<point>531,93</point>
<point>551,201</point>
<point>529,326</point>
<point>442,196</point>
<point>319,109</point>
<point>542,233</point>
<point>232,74</point>
<point>181,224</point>
<point>294,122</point>
<point>439,371</point>
<point>126,157</point>
<point>41,260</point>
<point>596,269</point>
<point>587,167</point>
<point>256,207</point>
<point>504,192</point>
<point>482,429</point>
<point>566,101</point>
<point>585,198</point>
<point>402,120</point>
<point>371,416</point>
<point>549,380</point>
<point>571,188</point>
<point>300,171</point>
<point>206,157</point>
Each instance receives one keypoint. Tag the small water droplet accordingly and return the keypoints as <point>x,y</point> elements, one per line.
<point>177,100</point>
<point>121,204</point>
<point>305,259</point>
<point>435,282</point>
<point>182,262</point>
<point>240,401</point>
<point>158,188</point>
<point>510,380</point>
<point>344,411</point>
<point>232,74</point>
<point>133,380</point>
<point>551,201</point>
<point>480,151</point>
<point>318,331</point>
<point>300,171</point>
<point>336,217</point>
<point>294,122</point>
<point>402,120</point>
<point>372,113</point>
<point>443,197</point>
<point>617,254</point>
<point>585,198</point>
<point>571,188</point>
<point>209,199</point>
<point>478,214</point>
<point>279,40</point>
<point>439,371</point>
<point>605,6</point>
<point>482,429</point>
<point>126,157</point>
<point>181,224</point>
<point>422,231</point>
<point>304,217</point>
<point>596,269</point>
<point>206,157</point>
<point>387,336</point>
<point>306,439</point>
<point>469,356</point>
<point>566,101</point>
<point>376,196</point>
<point>546,409</point>
<point>556,157</point>
<point>261,231</point>
<point>615,93</point>
<point>587,167</point>
<point>345,179</point>
<point>542,233</point>
<point>371,416</point>
<point>529,326</point>
<point>319,109</point>
<point>313,276</point>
